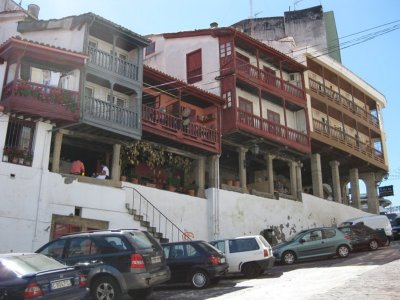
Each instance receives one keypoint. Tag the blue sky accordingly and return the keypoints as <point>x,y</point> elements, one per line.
<point>375,60</point>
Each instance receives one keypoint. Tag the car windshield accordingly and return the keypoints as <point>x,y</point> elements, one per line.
<point>296,236</point>
<point>30,263</point>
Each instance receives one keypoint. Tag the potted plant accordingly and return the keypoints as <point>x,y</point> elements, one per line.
<point>135,179</point>
<point>191,188</point>
<point>229,182</point>
<point>172,183</point>
<point>6,153</point>
<point>237,181</point>
<point>28,158</point>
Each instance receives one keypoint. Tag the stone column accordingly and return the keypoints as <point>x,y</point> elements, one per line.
<point>242,168</point>
<point>293,181</point>
<point>372,193</point>
<point>336,181</point>
<point>200,176</point>
<point>212,170</point>
<point>299,181</point>
<point>55,166</point>
<point>355,189</point>
<point>116,166</point>
<point>316,175</point>
<point>270,169</point>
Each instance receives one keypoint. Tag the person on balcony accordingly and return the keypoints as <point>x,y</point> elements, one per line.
<point>77,168</point>
<point>105,172</point>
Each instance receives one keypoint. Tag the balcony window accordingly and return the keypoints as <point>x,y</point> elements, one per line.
<point>227,96</point>
<point>194,66</point>
<point>273,116</point>
<point>225,49</point>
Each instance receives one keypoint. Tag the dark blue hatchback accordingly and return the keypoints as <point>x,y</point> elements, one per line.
<point>196,262</point>
<point>36,276</point>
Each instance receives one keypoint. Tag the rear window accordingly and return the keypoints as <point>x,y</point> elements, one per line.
<point>26,264</point>
<point>208,247</point>
<point>241,245</point>
<point>142,241</point>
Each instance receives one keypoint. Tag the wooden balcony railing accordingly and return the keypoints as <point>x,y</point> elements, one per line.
<point>166,122</point>
<point>344,102</point>
<point>352,142</point>
<point>110,113</point>
<point>112,63</point>
<point>269,79</point>
<point>41,100</point>
<point>274,130</point>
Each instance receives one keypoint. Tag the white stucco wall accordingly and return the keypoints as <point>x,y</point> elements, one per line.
<point>63,38</point>
<point>170,57</point>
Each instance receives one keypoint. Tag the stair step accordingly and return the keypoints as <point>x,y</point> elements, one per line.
<point>137,217</point>
<point>164,240</point>
<point>157,235</point>
<point>151,229</point>
<point>145,223</point>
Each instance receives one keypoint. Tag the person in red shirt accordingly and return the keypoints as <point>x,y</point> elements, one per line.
<point>77,168</point>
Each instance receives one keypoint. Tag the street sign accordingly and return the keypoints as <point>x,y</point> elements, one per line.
<point>386,191</point>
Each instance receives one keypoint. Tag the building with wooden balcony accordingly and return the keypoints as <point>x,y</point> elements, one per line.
<point>347,135</point>
<point>92,69</point>
<point>183,121</point>
<point>264,118</point>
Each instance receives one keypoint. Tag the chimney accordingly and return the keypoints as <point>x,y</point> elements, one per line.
<point>33,9</point>
<point>214,25</point>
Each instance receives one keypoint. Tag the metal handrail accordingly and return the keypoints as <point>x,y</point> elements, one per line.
<point>156,218</point>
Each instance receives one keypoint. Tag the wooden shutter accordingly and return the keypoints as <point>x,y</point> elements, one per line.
<point>194,66</point>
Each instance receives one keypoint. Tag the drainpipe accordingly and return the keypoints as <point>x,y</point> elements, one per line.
<point>40,192</point>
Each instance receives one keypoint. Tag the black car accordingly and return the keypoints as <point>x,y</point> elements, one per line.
<point>116,262</point>
<point>196,262</point>
<point>36,276</point>
<point>364,237</point>
<point>396,227</point>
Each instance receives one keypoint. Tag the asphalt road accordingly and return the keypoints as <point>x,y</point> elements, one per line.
<point>304,280</point>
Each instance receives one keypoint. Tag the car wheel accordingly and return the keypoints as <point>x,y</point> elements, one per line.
<point>140,293</point>
<point>288,257</point>
<point>105,288</point>
<point>343,251</point>
<point>251,270</point>
<point>199,279</point>
<point>373,245</point>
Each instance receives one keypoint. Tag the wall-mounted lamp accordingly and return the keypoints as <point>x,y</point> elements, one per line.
<point>255,149</point>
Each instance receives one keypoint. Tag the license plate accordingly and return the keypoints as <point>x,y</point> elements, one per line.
<point>60,284</point>
<point>222,260</point>
<point>156,259</point>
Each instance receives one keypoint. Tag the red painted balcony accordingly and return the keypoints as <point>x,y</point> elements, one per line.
<point>275,84</point>
<point>273,131</point>
<point>173,127</point>
<point>42,101</point>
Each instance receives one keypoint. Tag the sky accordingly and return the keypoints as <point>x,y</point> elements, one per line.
<point>375,60</point>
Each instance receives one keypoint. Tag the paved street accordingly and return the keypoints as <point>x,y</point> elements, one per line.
<point>364,275</point>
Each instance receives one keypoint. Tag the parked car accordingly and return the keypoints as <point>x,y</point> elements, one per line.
<point>196,262</point>
<point>249,255</point>
<point>116,262</point>
<point>373,221</point>
<point>364,237</point>
<point>36,276</point>
<point>313,243</point>
<point>396,228</point>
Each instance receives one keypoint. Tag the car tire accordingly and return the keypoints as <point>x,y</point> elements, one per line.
<point>105,288</point>
<point>343,251</point>
<point>251,270</point>
<point>199,279</point>
<point>373,245</point>
<point>140,293</point>
<point>288,257</point>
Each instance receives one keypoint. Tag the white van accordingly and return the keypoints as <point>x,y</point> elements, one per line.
<point>374,221</point>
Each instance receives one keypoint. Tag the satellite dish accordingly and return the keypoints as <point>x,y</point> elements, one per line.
<point>186,122</point>
<point>186,112</point>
